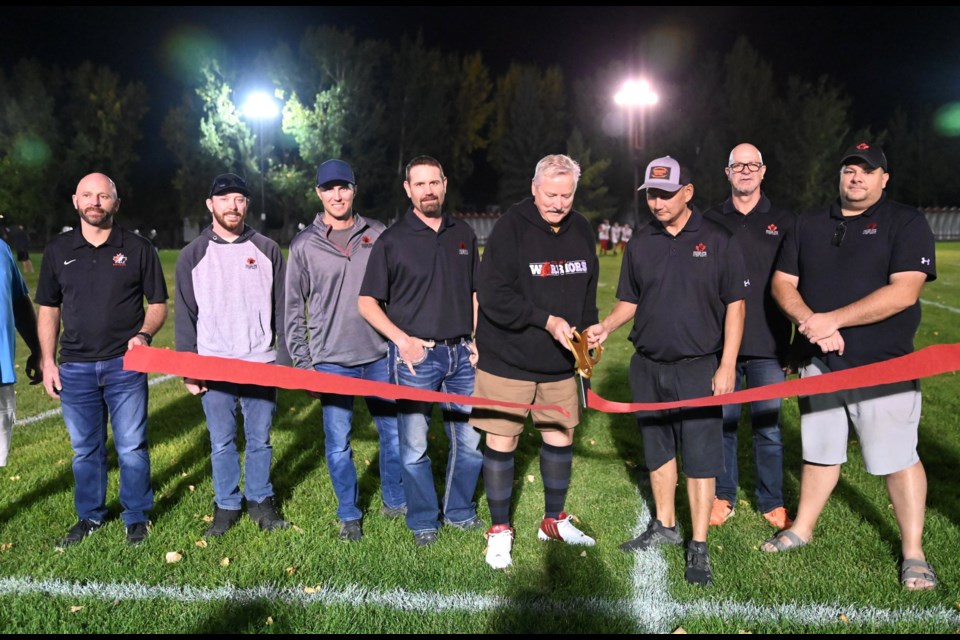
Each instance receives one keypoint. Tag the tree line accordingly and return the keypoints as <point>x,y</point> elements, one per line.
<point>377,104</point>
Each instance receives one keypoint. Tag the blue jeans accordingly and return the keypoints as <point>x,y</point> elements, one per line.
<point>258,405</point>
<point>447,369</point>
<point>337,424</point>
<point>92,391</point>
<point>767,440</point>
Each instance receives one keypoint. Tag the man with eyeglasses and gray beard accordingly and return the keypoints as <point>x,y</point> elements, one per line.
<point>850,279</point>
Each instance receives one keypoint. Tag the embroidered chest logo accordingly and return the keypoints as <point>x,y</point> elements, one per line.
<point>700,251</point>
<point>463,249</point>
<point>558,268</point>
<point>250,263</point>
<point>119,260</point>
<point>870,229</point>
<point>772,230</point>
<point>366,242</point>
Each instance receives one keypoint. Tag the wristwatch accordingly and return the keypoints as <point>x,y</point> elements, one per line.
<point>146,336</point>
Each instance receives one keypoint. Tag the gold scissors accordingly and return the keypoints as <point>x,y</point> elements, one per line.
<point>585,361</point>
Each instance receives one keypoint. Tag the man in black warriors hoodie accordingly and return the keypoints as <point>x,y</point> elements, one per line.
<point>538,283</point>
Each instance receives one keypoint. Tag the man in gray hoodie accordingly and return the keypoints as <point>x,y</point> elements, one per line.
<point>325,332</point>
<point>229,303</point>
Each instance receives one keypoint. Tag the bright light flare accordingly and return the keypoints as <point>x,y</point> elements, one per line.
<point>636,93</point>
<point>261,106</point>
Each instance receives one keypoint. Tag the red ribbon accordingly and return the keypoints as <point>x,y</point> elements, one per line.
<point>192,365</point>
<point>930,361</point>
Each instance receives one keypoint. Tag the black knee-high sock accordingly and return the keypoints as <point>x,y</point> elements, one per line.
<point>556,464</point>
<point>498,483</point>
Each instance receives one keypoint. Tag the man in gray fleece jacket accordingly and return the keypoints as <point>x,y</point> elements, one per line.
<point>325,332</point>
<point>229,303</point>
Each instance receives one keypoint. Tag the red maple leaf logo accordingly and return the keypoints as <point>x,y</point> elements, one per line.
<point>863,146</point>
<point>701,247</point>
<point>772,227</point>
<point>872,225</point>
<point>365,240</point>
<point>251,261</point>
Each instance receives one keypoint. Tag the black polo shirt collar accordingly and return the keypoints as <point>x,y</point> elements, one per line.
<point>419,226</point>
<point>115,239</point>
<point>763,206</point>
<point>836,211</point>
<point>693,224</point>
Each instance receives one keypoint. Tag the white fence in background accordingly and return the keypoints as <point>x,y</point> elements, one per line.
<point>945,222</point>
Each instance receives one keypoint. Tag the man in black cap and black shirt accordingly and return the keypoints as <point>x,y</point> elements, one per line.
<point>683,283</point>
<point>850,279</point>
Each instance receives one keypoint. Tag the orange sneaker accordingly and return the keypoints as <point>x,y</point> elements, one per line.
<point>722,511</point>
<point>778,518</point>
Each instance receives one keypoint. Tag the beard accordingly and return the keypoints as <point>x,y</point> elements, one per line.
<point>97,217</point>
<point>430,207</point>
<point>232,227</point>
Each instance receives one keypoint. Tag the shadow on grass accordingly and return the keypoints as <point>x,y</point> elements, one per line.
<point>538,602</point>
<point>166,424</point>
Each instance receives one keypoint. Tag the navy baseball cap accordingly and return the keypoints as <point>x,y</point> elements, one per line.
<point>871,154</point>
<point>229,183</point>
<point>334,171</point>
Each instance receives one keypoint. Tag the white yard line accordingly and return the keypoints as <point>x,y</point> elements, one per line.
<point>651,607</point>
<point>940,306</point>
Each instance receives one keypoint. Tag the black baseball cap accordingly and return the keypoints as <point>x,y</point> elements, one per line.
<point>229,183</point>
<point>871,154</point>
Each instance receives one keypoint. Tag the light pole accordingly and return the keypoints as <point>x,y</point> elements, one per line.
<point>635,95</point>
<point>261,106</point>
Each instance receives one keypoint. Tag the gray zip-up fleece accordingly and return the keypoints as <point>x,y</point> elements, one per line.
<point>229,298</point>
<point>323,285</point>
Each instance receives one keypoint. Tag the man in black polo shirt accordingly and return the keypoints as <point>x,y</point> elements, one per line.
<point>94,279</point>
<point>423,270</point>
<point>850,279</point>
<point>760,228</point>
<point>683,282</point>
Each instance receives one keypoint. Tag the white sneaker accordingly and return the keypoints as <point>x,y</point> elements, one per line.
<point>499,544</point>
<point>563,530</point>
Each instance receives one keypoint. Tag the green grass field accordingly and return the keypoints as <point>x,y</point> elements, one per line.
<point>305,580</point>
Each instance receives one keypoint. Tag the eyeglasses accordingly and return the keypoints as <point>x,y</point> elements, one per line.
<point>750,167</point>
<point>839,233</point>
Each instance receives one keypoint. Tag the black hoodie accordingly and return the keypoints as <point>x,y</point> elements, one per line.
<point>528,273</point>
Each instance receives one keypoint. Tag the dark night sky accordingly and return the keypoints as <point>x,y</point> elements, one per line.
<point>883,57</point>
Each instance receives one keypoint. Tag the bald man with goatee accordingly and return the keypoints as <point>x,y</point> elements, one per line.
<point>761,229</point>
<point>93,280</point>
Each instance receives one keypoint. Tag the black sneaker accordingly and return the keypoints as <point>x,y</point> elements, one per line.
<point>424,538</point>
<point>350,530</point>
<point>468,525</point>
<point>656,534</point>
<point>394,512</point>
<point>79,531</point>
<point>698,564</point>
<point>265,515</point>
<point>223,519</point>
<point>137,532</point>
